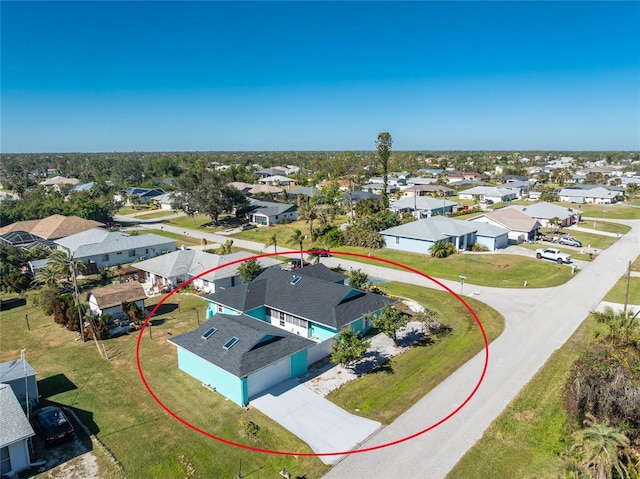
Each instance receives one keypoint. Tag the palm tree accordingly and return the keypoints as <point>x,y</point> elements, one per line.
<point>62,262</point>
<point>225,248</point>
<point>442,249</point>
<point>602,447</point>
<point>273,240</point>
<point>308,212</point>
<point>297,238</point>
<point>622,324</point>
<point>47,276</point>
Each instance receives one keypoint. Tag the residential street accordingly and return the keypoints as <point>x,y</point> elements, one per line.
<point>538,321</point>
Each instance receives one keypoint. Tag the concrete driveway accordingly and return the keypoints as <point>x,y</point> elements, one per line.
<point>317,421</point>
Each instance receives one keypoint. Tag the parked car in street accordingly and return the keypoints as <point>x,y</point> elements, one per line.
<point>51,425</point>
<point>569,241</point>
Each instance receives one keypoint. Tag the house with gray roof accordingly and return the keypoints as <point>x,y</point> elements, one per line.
<point>102,249</point>
<point>15,432</point>
<point>240,357</point>
<point>420,235</point>
<point>266,213</point>
<point>597,196</point>
<point>261,333</point>
<point>170,270</point>
<point>19,374</point>
<point>544,212</point>
<point>424,206</point>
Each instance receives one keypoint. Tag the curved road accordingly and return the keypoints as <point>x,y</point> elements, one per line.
<point>538,321</point>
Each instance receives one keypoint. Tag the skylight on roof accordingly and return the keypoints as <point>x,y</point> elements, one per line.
<point>296,279</point>
<point>209,333</point>
<point>230,343</point>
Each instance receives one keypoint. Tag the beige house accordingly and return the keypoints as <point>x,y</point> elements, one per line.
<point>108,300</point>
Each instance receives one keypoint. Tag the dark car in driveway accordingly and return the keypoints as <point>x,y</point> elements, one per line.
<point>51,425</point>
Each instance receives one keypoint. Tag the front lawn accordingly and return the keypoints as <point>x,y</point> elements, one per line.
<point>617,211</point>
<point>525,440</point>
<point>490,269</point>
<point>180,239</point>
<point>384,395</point>
<point>109,398</point>
<point>618,293</point>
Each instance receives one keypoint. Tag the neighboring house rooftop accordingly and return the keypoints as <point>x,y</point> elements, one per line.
<point>512,219</point>
<point>436,228</point>
<point>193,263</point>
<point>320,271</point>
<point>258,343</point>
<point>546,210</point>
<point>270,208</point>
<point>116,294</point>
<point>324,302</point>
<point>54,226</point>
<point>60,180</point>
<point>98,241</point>
<point>14,425</point>
<point>422,203</point>
<point>16,369</point>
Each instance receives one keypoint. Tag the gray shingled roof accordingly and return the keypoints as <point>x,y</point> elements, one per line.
<point>14,425</point>
<point>435,228</point>
<point>422,203</point>
<point>259,343</point>
<point>323,302</point>
<point>194,262</point>
<point>97,241</point>
<point>270,208</point>
<point>320,271</point>
<point>11,370</point>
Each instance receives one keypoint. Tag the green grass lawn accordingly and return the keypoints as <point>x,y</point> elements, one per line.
<point>383,396</point>
<point>152,214</point>
<point>618,293</point>
<point>180,239</point>
<point>109,397</point>
<point>617,211</point>
<point>525,440</point>
<point>130,210</point>
<point>499,270</point>
<point>605,226</point>
<point>193,222</point>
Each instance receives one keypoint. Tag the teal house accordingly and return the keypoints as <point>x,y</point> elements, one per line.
<point>261,333</point>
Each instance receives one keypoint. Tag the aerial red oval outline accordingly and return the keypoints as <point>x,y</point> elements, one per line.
<point>318,454</point>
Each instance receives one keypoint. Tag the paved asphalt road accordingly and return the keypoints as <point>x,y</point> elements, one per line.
<point>538,321</point>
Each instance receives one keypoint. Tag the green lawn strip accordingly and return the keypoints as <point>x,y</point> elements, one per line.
<point>195,222</point>
<point>605,226</point>
<point>386,394</point>
<point>635,266</point>
<point>130,210</point>
<point>616,212</point>
<point>180,239</point>
<point>525,440</point>
<point>283,232</point>
<point>618,293</point>
<point>155,214</point>
<point>491,269</point>
<point>109,397</point>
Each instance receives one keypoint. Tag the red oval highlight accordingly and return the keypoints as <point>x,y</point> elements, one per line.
<point>337,453</point>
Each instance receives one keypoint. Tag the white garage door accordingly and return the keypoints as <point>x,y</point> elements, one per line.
<point>267,377</point>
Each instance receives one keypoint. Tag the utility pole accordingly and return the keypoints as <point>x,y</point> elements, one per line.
<point>626,294</point>
<point>76,293</point>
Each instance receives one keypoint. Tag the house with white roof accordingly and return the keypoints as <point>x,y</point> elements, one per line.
<point>597,196</point>
<point>171,270</point>
<point>277,180</point>
<point>497,194</point>
<point>15,432</point>
<point>544,212</point>
<point>109,248</point>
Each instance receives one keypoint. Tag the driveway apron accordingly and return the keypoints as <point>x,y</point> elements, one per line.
<point>324,426</point>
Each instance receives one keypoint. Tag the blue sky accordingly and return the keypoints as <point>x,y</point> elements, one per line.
<point>164,76</point>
